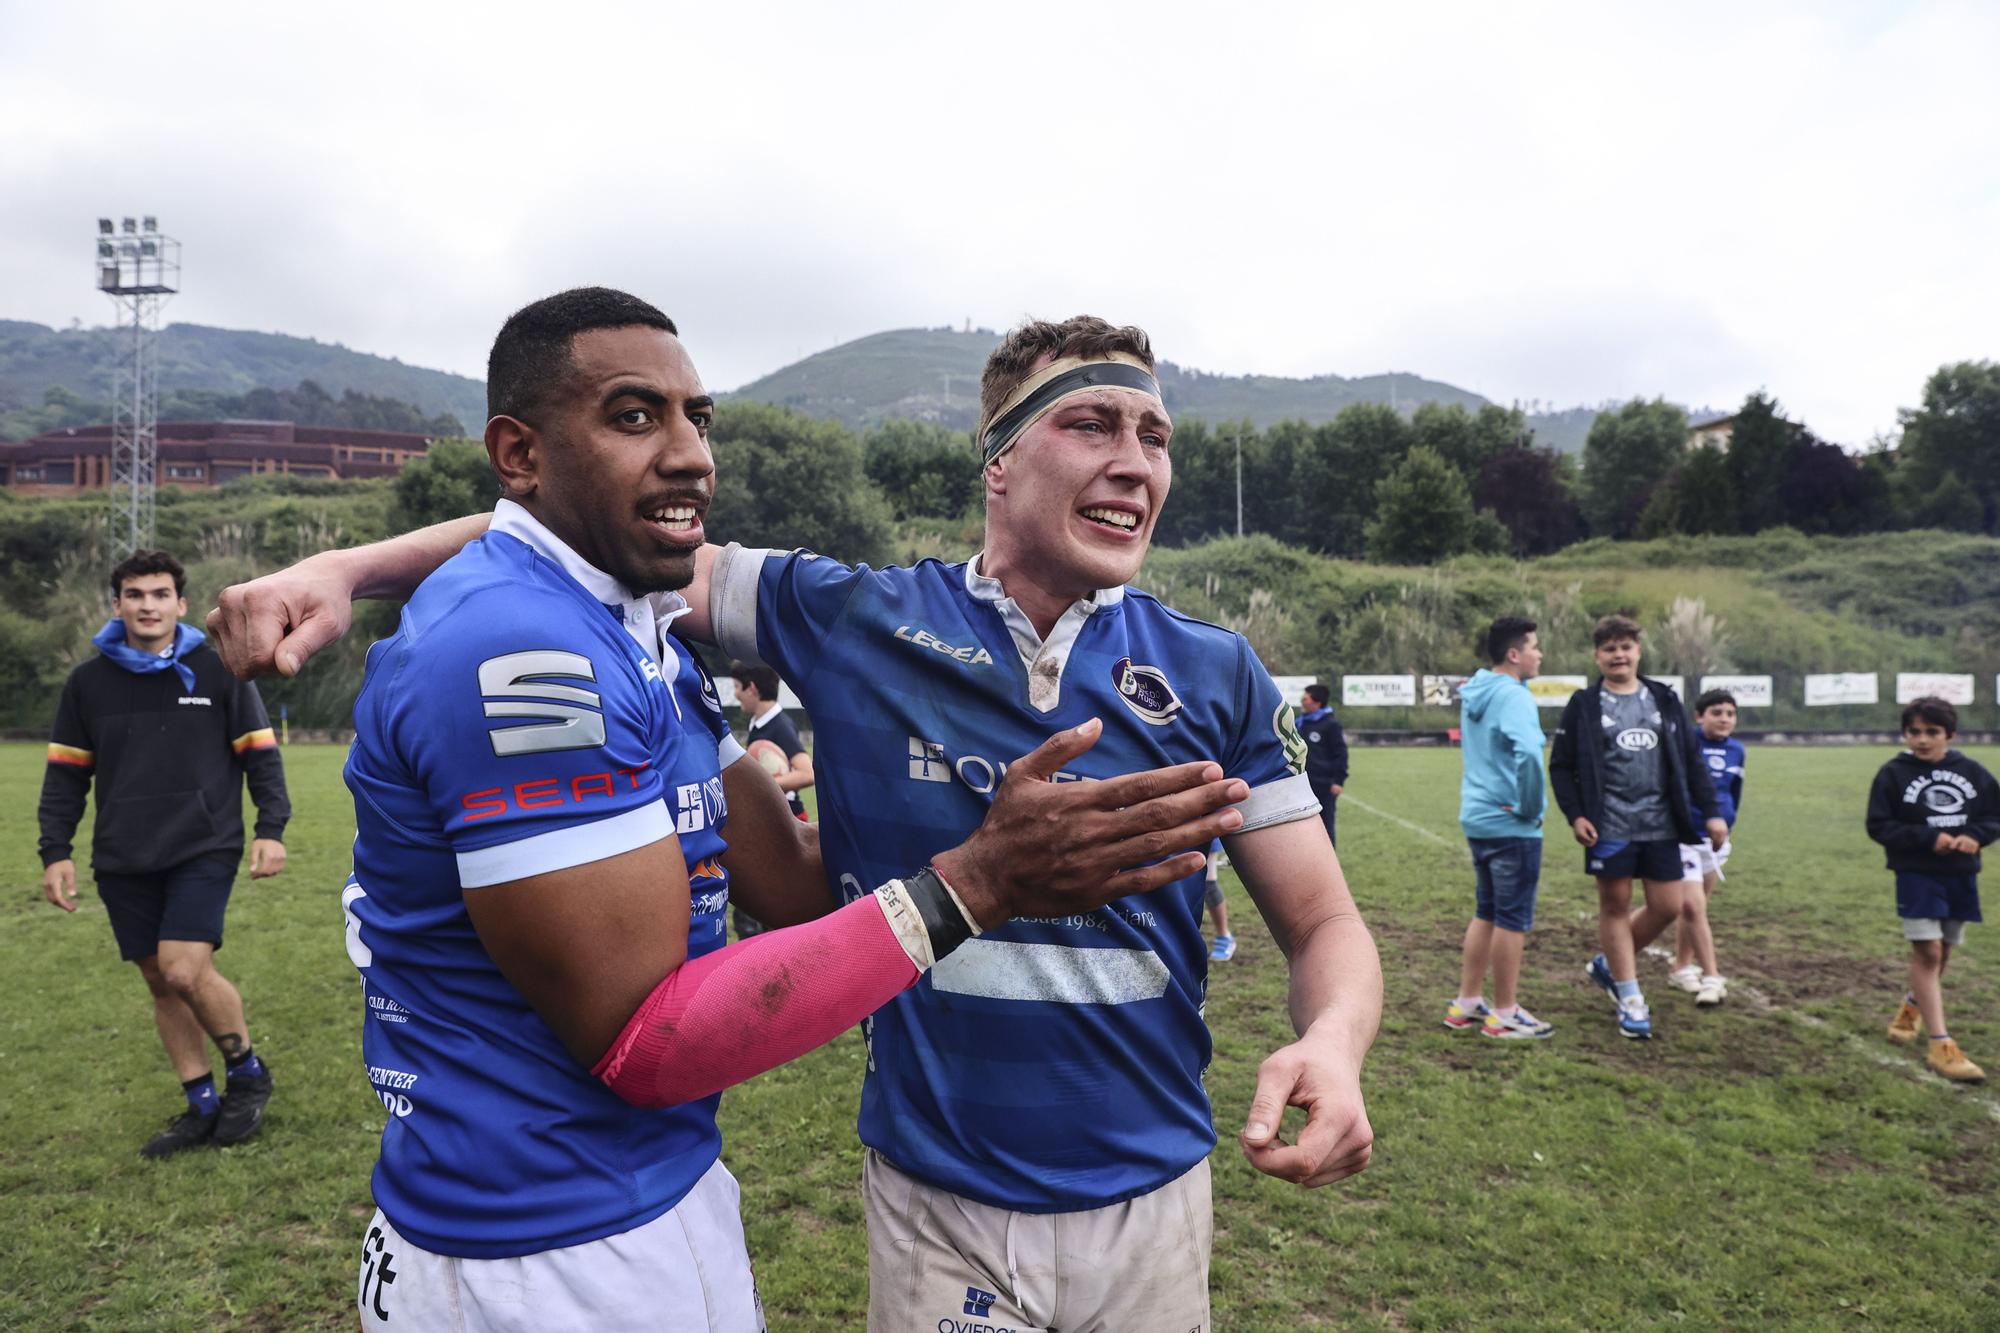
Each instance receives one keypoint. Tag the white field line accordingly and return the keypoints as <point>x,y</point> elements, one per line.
<point>1399,821</point>
<point>1763,1004</point>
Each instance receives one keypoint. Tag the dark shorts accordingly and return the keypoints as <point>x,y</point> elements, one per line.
<point>183,902</point>
<point>1658,859</point>
<point>1940,897</point>
<point>1507,872</point>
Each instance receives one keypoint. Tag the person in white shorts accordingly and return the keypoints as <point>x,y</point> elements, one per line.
<point>1695,968</point>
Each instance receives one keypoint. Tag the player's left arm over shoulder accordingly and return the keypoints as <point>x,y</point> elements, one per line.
<point>1336,1004</point>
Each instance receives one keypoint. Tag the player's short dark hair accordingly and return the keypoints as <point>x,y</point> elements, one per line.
<point>1505,634</point>
<point>1612,628</point>
<point>1079,335</point>
<point>763,677</point>
<point>1319,694</point>
<point>1938,712</point>
<point>531,353</point>
<point>1708,699</point>
<point>140,563</point>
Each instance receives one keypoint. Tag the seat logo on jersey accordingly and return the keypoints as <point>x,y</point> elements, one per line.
<point>1146,692</point>
<point>923,638</point>
<point>524,676</point>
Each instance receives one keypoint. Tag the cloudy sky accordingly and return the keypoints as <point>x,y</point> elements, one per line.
<point>1557,202</point>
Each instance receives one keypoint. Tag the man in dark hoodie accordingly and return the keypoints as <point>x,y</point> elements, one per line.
<point>1629,776</point>
<point>1932,809</point>
<point>169,735</point>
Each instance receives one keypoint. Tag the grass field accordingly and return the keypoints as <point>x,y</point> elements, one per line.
<point>1773,1162</point>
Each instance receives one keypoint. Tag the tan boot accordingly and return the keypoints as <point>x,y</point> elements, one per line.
<point>1947,1059</point>
<point>1907,1024</point>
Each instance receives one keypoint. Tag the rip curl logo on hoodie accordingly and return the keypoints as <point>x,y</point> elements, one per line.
<point>1146,692</point>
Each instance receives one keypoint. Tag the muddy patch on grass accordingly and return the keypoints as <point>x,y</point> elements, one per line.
<point>1790,977</point>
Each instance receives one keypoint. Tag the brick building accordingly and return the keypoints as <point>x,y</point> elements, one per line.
<point>199,455</point>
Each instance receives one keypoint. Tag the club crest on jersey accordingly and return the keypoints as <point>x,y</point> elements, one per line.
<point>1146,692</point>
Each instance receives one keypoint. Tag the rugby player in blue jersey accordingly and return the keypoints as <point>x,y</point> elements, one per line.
<point>1038,1125</point>
<point>541,870</point>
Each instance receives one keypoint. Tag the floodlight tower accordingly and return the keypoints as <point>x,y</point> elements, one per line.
<point>139,269</point>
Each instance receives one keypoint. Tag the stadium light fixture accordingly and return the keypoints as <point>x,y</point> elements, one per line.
<point>149,224</point>
<point>131,226</point>
<point>104,227</point>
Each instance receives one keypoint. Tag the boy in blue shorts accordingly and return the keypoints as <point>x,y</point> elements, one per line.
<point>1628,773</point>
<point>1500,804</point>
<point>1695,968</point>
<point>1932,809</point>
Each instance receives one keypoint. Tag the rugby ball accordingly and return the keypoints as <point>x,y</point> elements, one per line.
<point>770,756</point>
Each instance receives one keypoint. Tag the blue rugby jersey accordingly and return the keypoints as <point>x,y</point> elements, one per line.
<point>1725,760</point>
<point>1052,1064</point>
<point>515,725</point>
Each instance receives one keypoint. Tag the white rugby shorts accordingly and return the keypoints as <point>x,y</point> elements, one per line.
<point>687,1269</point>
<point>1699,860</point>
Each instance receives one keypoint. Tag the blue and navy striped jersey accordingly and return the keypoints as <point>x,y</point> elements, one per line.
<point>1051,1064</point>
<point>517,723</point>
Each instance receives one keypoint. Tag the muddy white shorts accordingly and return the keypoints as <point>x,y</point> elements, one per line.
<point>686,1271</point>
<point>939,1263</point>
<point>1699,860</point>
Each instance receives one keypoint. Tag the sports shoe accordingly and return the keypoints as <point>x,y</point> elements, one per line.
<point>1686,978</point>
<point>243,1102</point>
<point>1713,991</point>
<point>1460,1019</point>
<point>187,1130</point>
<point>1517,1026</point>
<point>1223,949</point>
<point>1945,1057</point>
<point>1908,1022</point>
<point>1635,1020</point>
<point>1599,972</point>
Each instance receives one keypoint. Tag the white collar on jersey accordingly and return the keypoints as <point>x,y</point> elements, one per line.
<point>762,718</point>
<point>646,617</point>
<point>1044,659</point>
<point>515,520</point>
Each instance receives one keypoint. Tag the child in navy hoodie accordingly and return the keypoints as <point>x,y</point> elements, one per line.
<point>1932,809</point>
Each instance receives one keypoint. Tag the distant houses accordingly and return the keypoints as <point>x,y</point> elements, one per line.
<point>198,455</point>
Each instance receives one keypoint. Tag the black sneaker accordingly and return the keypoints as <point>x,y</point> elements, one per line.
<point>189,1130</point>
<point>243,1100</point>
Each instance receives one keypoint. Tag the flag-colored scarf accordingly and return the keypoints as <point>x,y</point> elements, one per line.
<point>111,642</point>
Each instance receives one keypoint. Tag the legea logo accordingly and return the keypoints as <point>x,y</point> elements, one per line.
<point>923,638</point>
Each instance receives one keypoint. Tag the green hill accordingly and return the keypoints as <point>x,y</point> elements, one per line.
<point>933,374</point>
<point>193,357</point>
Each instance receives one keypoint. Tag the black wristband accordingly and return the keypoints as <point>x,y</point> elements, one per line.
<point>943,922</point>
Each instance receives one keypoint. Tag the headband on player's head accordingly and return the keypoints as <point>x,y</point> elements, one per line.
<point>1038,395</point>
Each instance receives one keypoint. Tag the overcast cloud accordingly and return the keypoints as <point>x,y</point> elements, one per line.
<point>1563,202</point>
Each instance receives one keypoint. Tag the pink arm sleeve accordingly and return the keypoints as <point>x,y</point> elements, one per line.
<point>732,1014</point>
